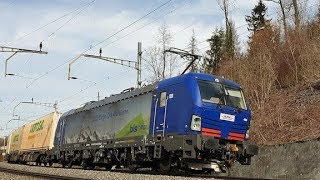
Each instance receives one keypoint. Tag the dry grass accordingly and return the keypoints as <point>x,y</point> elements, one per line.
<point>291,115</point>
<point>276,75</point>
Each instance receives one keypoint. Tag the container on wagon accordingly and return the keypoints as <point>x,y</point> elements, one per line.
<point>39,134</point>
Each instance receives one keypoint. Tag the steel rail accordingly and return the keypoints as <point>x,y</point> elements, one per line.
<point>37,175</point>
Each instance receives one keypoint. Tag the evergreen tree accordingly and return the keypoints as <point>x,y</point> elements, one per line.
<point>257,20</point>
<point>216,51</point>
<point>230,41</point>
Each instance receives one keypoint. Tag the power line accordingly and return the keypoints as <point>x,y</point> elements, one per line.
<point>94,84</point>
<point>170,12</point>
<point>55,31</point>
<point>141,27</point>
<point>161,17</point>
<point>70,19</point>
<point>51,22</point>
<point>134,22</point>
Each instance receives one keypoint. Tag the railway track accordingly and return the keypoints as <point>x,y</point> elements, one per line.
<point>142,172</point>
<point>202,176</point>
<point>38,175</point>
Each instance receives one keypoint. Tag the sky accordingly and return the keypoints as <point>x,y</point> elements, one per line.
<point>68,28</point>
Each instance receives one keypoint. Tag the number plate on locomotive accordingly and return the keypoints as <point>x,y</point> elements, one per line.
<point>227,117</point>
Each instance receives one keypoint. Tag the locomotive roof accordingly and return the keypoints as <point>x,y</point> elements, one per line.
<point>187,77</point>
<point>112,99</point>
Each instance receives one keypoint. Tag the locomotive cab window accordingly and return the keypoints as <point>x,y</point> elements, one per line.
<point>216,93</point>
<point>163,99</point>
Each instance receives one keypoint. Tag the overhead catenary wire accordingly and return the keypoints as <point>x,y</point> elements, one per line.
<point>51,22</point>
<point>170,12</point>
<point>77,11</point>
<point>119,31</point>
<point>143,26</point>
<point>90,86</point>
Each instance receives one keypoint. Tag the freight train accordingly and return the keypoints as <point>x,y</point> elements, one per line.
<point>192,121</point>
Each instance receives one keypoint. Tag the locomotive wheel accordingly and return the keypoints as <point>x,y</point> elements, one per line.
<point>91,167</point>
<point>132,166</point>
<point>165,166</point>
<point>108,167</point>
<point>84,164</point>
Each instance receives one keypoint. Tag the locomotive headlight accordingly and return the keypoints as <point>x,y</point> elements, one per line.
<point>196,123</point>
<point>247,134</point>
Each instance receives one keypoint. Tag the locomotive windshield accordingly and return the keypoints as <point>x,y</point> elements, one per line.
<point>216,93</point>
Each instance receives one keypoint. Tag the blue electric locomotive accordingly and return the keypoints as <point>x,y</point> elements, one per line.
<point>192,121</point>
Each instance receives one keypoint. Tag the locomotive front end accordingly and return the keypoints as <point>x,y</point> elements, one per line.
<point>222,118</point>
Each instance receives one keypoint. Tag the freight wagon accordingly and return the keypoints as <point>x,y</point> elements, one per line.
<point>193,121</point>
<point>33,141</point>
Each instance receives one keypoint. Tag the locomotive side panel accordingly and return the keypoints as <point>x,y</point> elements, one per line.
<point>125,118</point>
<point>15,140</point>
<point>39,134</point>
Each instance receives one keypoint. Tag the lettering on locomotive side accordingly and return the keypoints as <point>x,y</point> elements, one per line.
<point>114,114</point>
<point>135,128</point>
<point>37,126</point>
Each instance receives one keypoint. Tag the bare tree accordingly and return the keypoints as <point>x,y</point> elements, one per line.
<point>225,7</point>
<point>296,14</point>
<point>159,64</point>
<point>165,39</point>
<point>193,49</point>
<point>283,12</point>
<point>154,65</point>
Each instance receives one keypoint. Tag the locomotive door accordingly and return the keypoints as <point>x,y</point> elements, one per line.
<point>160,106</point>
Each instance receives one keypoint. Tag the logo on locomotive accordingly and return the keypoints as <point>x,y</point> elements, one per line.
<point>16,138</point>
<point>37,126</point>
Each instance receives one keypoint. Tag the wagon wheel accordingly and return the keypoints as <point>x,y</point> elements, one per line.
<point>50,163</point>
<point>69,164</point>
<point>63,163</point>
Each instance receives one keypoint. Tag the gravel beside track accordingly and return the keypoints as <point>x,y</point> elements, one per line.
<point>77,172</point>
<point>9,176</point>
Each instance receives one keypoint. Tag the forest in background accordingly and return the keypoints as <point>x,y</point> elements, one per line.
<point>279,70</point>
<point>280,74</point>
